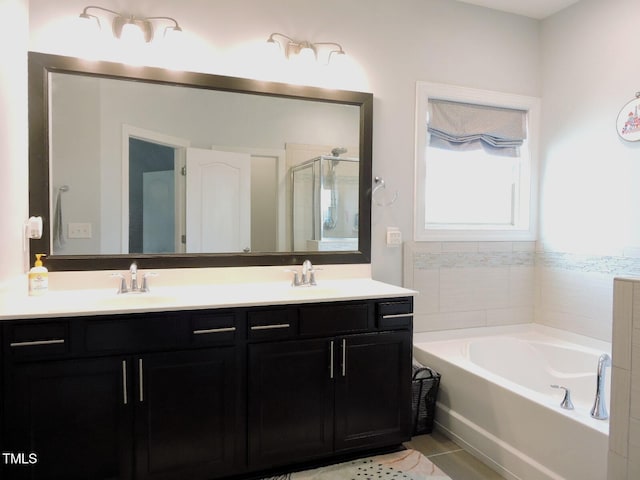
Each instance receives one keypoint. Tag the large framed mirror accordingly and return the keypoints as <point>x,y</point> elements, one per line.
<point>182,169</point>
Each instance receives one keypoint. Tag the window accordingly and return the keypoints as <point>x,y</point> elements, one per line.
<point>470,188</point>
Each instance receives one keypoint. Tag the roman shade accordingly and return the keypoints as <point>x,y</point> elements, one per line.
<point>465,126</point>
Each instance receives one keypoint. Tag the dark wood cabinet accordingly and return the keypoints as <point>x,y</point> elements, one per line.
<point>290,401</point>
<point>371,390</point>
<point>312,397</point>
<point>72,416</point>
<point>203,394</point>
<point>187,414</point>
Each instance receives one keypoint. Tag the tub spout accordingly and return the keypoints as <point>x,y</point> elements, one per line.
<point>599,410</point>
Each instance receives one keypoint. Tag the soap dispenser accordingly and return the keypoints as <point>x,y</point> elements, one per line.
<point>38,277</point>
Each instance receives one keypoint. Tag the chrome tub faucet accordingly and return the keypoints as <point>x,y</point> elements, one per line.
<point>599,410</point>
<point>566,403</point>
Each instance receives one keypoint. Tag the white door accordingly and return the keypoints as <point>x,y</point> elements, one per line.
<point>218,213</point>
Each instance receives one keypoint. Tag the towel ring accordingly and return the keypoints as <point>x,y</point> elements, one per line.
<point>380,185</point>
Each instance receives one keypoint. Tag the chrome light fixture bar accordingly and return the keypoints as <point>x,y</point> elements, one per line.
<point>292,48</point>
<point>121,22</point>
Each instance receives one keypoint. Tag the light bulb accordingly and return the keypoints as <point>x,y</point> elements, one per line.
<point>173,34</point>
<point>272,49</point>
<point>306,56</point>
<point>88,24</point>
<point>132,34</point>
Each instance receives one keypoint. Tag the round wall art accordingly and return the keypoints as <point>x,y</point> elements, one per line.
<point>628,123</point>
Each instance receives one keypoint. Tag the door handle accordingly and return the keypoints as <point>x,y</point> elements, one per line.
<point>214,330</point>
<point>397,315</point>
<point>270,327</point>
<point>344,357</point>
<point>125,394</point>
<point>140,381</point>
<point>331,359</point>
<point>34,343</point>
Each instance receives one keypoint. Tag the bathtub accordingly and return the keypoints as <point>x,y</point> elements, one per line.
<point>496,401</point>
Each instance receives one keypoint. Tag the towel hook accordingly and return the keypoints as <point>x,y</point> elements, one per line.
<point>380,185</point>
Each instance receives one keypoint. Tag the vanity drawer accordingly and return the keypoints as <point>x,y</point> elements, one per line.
<point>272,324</point>
<point>395,314</point>
<point>333,319</point>
<point>214,329</point>
<point>38,340</point>
<point>135,333</point>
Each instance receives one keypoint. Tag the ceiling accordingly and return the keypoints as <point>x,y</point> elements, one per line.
<point>538,9</point>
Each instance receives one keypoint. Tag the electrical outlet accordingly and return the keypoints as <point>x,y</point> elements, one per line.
<point>394,236</point>
<point>79,230</point>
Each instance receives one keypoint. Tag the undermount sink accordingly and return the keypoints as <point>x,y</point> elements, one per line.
<point>134,299</point>
<point>314,291</point>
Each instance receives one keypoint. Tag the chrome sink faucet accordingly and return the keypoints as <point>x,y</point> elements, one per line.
<point>133,273</point>
<point>599,410</point>
<point>307,277</point>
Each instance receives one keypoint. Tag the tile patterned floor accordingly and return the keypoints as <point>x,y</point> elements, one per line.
<point>453,460</point>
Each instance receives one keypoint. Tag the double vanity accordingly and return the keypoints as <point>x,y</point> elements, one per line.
<point>205,381</point>
<point>220,368</point>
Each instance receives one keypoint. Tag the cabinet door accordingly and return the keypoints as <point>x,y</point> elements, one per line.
<point>188,408</point>
<point>290,401</point>
<point>373,390</point>
<point>74,415</point>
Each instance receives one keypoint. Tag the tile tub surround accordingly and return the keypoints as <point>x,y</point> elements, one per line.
<point>624,445</point>
<point>473,284</point>
<point>470,284</point>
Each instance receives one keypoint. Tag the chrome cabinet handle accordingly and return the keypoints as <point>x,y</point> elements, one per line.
<point>344,357</point>
<point>125,394</point>
<point>398,315</point>
<point>331,360</point>
<point>37,342</point>
<point>270,327</point>
<point>214,330</point>
<point>140,380</point>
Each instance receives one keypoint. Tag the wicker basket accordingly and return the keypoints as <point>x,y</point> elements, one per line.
<point>425,383</point>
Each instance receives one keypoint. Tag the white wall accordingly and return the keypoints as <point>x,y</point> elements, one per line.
<point>589,176</point>
<point>588,172</point>
<point>13,138</point>
<point>391,45</point>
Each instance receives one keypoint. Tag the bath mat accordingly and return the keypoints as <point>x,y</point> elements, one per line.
<point>403,465</point>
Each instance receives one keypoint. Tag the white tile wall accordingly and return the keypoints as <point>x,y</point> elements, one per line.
<point>470,284</point>
<point>501,283</point>
<point>575,300</point>
<point>624,426</point>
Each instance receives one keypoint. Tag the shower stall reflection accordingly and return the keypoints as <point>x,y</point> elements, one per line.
<point>325,203</point>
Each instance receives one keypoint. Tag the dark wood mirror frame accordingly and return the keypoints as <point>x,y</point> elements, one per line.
<point>40,65</point>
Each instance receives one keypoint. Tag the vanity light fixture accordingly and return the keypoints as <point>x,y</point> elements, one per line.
<point>303,50</point>
<point>129,26</point>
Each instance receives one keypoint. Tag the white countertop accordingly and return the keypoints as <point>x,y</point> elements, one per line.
<point>82,302</point>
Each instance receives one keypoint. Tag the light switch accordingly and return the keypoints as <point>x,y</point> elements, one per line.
<point>394,237</point>
<point>79,230</point>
